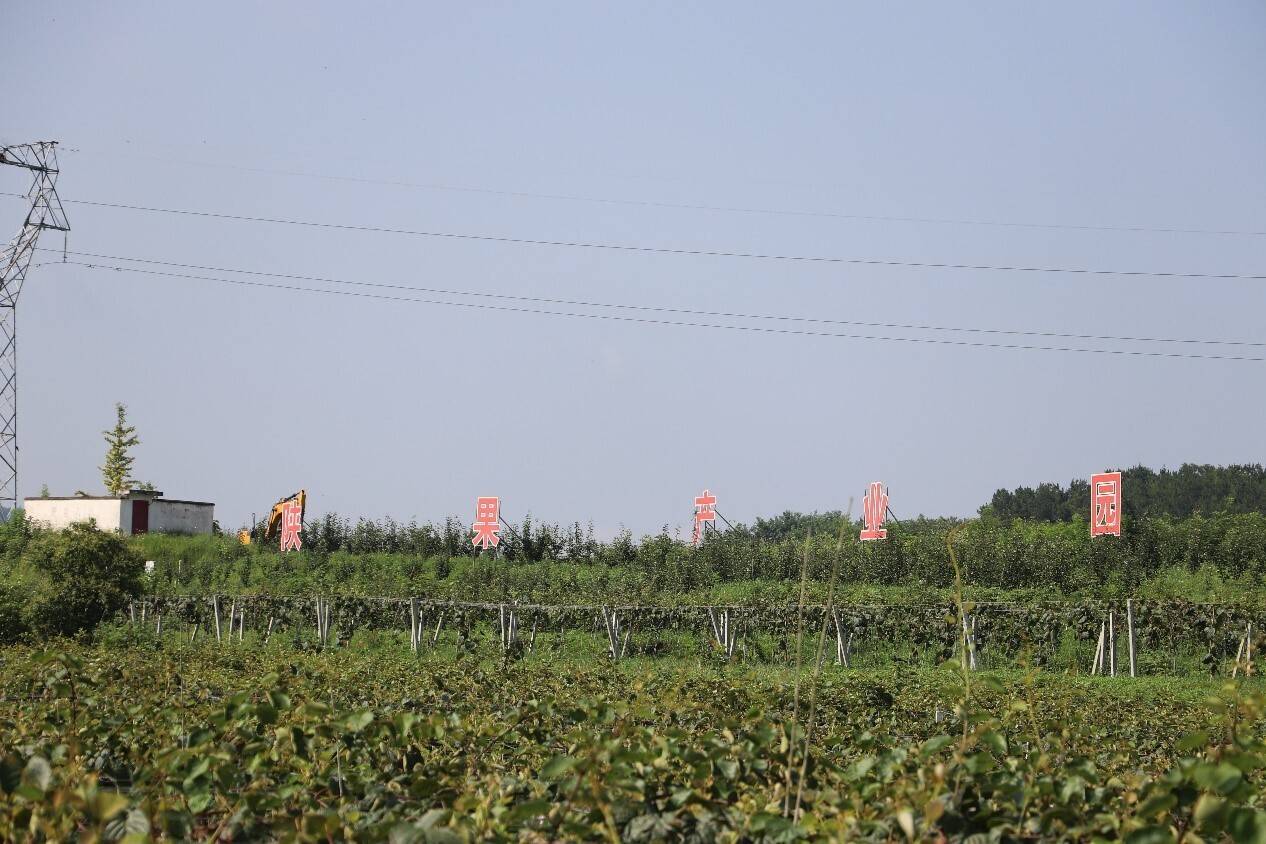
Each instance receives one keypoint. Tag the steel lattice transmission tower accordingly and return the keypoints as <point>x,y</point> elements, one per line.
<point>46,213</point>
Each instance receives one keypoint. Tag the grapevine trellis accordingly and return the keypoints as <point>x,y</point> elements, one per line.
<point>988,628</point>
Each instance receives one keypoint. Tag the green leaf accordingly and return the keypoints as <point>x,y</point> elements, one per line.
<point>135,823</point>
<point>772,825</point>
<point>358,721</point>
<point>556,767</point>
<point>1221,778</point>
<point>199,768</point>
<point>1192,741</point>
<point>995,742</point>
<point>199,800</point>
<point>528,810</point>
<point>131,825</point>
<point>649,827</point>
<point>29,792</point>
<point>403,723</point>
<point>1244,761</point>
<point>1070,788</point>
<point>1210,811</point>
<point>1150,835</point>
<point>935,745</point>
<point>1156,804</point>
<point>979,763</point>
<point>1247,826</point>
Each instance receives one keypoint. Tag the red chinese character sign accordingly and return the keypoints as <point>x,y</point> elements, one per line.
<point>874,508</point>
<point>705,511</point>
<point>1105,504</point>
<point>487,525</point>
<point>291,525</point>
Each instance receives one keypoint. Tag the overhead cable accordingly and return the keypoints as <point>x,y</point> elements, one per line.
<point>662,250</point>
<point>679,323</point>
<point>657,308</point>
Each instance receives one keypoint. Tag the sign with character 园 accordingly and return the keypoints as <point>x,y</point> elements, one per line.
<point>1105,504</point>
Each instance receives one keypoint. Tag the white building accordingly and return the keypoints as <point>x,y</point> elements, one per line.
<point>140,511</point>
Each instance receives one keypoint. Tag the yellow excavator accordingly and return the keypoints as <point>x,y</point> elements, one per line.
<point>272,526</point>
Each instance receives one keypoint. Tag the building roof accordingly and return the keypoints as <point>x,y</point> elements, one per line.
<point>115,498</point>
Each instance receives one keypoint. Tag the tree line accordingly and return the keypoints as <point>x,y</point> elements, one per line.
<point>549,563</point>
<point>1190,489</point>
<point>67,581</point>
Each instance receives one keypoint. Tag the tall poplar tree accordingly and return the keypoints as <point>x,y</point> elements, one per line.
<point>117,471</point>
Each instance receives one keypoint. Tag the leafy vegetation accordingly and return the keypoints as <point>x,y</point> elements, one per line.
<point>1216,557</point>
<point>163,727</point>
<point>64,582</point>
<point>247,742</point>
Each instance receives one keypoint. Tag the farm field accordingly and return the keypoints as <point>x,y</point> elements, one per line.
<point>463,423</point>
<point>637,691</point>
<point>1041,593</point>
<point>1210,558</point>
<point>135,737</point>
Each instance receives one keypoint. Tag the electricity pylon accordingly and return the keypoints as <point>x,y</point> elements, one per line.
<point>46,212</point>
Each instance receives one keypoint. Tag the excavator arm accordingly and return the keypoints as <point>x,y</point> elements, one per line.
<point>272,524</point>
<point>272,529</point>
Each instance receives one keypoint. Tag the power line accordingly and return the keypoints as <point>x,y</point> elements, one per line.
<point>656,308</point>
<point>657,321</point>
<point>661,250</point>
<point>734,209</point>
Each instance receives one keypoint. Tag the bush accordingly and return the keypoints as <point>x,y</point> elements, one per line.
<point>15,534</point>
<point>13,600</point>
<point>83,576</point>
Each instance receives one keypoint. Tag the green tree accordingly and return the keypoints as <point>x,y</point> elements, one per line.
<point>117,471</point>
<point>82,576</point>
<point>1178,492</point>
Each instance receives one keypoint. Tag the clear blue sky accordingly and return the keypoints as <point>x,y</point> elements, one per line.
<point>1122,114</point>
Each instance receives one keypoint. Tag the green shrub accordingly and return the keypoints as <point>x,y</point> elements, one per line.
<point>13,600</point>
<point>15,534</point>
<point>83,576</point>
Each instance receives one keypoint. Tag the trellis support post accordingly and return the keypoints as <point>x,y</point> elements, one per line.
<point>1129,624</point>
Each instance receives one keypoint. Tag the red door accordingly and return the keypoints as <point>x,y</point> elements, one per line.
<point>140,517</point>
